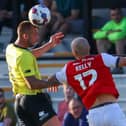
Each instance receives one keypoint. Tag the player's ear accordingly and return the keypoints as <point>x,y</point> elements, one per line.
<point>76,52</point>
<point>25,36</point>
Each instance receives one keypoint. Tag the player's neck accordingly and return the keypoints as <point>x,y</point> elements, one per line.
<point>18,43</point>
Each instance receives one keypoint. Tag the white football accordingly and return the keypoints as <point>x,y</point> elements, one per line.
<point>39,15</point>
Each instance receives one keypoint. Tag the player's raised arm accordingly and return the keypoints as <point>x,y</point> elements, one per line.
<point>54,40</point>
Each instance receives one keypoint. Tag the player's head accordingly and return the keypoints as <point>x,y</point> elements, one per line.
<point>80,47</point>
<point>27,33</point>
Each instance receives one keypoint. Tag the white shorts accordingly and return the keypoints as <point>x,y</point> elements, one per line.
<point>107,115</point>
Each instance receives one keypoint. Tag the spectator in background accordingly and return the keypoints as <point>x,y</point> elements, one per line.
<point>63,105</point>
<point>76,115</point>
<point>25,6</point>
<point>112,33</point>
<point>5,14</point>
<point>66,17</point>
<point>45,29</point>
<point>68,13</point>
<point>20,12</point>
<point>7,115</point>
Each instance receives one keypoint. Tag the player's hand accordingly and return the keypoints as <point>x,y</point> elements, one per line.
<point>53,89</point>
<point>56,38</point>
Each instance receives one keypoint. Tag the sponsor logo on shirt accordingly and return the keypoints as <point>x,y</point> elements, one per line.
<point>42,115</point>
<point>27,71</point>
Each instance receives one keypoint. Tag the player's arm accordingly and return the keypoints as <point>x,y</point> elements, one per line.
<point>60,76</point>
<point>34,83</point>
<point>28,72</point>
<point>109,60</point>
<point>54,40</point>
<point>122,61</point>
<point>113,61</point>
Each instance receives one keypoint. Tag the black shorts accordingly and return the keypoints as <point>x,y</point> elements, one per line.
<point>33,110</point>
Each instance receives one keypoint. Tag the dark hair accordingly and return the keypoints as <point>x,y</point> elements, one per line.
<point>115,8</point>
<point>116,5</point>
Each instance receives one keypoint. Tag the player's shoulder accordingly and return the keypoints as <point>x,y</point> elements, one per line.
<point>9,46</point>
<point>106,55</point>
<point>70,62</point>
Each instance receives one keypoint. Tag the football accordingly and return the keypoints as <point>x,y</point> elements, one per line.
<point>39,15</point>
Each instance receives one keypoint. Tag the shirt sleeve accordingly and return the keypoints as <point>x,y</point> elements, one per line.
<point>109,60</point>
<point>61,75</point>
<point>27,66</point>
